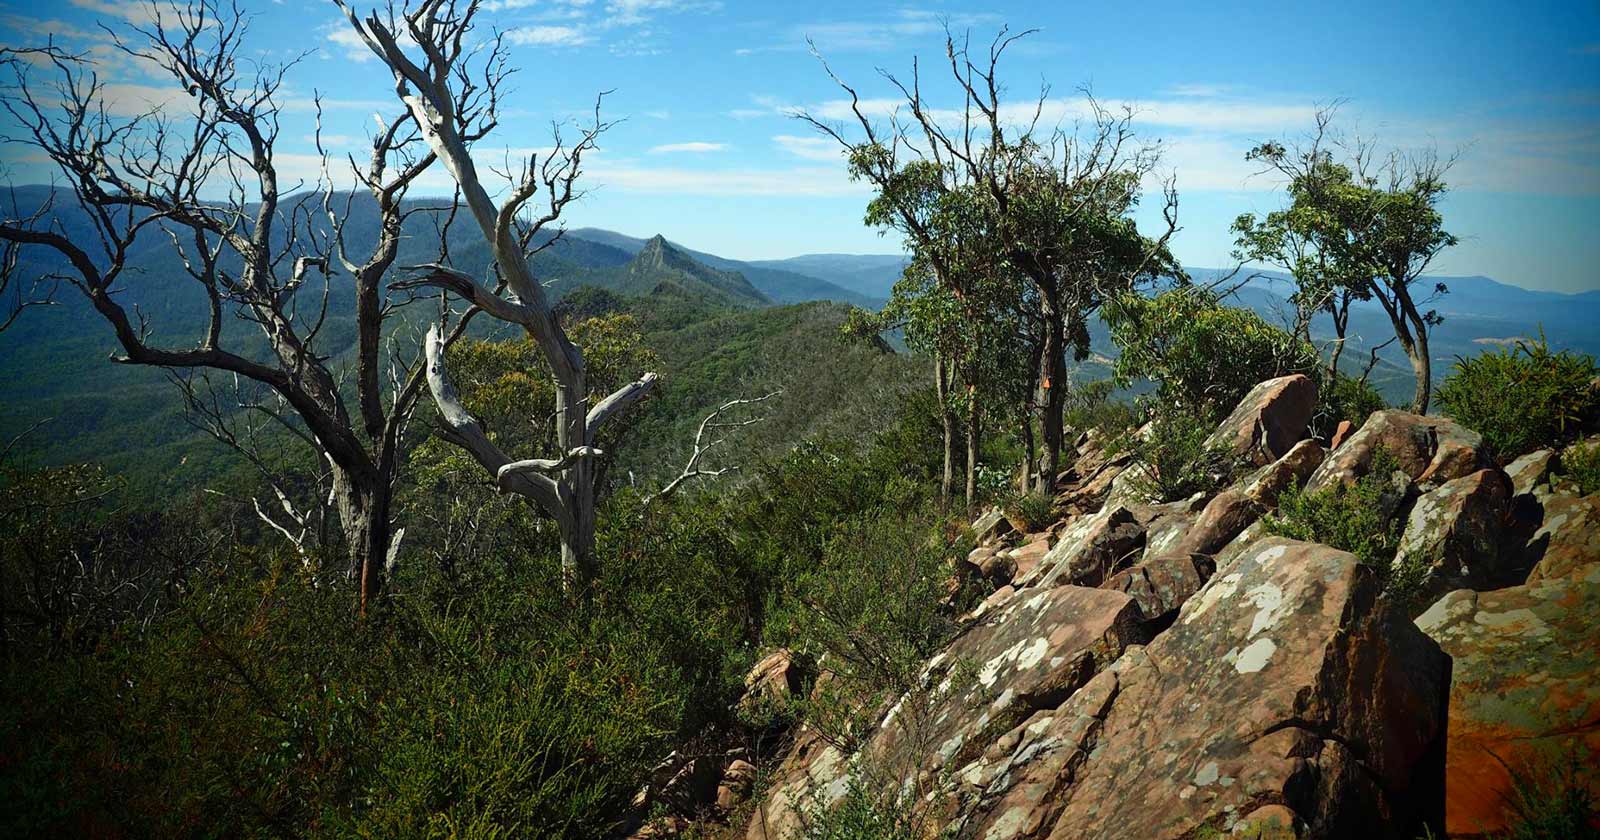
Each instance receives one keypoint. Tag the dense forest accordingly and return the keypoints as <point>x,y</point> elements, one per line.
<point>405,515</point>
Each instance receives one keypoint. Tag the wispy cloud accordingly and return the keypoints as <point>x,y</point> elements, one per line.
<point>351,47</point>
<point>872,35</point>
<point>810,148</point>
<point>798,182</point>
<point>548,36</point>
<point>696,147</point>
<point>639,12</point>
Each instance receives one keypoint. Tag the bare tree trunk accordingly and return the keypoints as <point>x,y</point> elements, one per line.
<point>1053,394</point>
<point>1422,365</point>
<point>947,420</point>
<point>1341,327</point>
<point>973,430</point>
<point>363,505</point>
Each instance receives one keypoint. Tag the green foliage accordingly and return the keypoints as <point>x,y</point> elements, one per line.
<point>1358,519</point>
<point>1090,406</point>
<point>1203,355</point>
<point>1524,397</point>
<point>1344,398</point>
<point>1172,461</point>
<point>861,814</point>
<point>1580,463</point>
<point>1552,799</point>
<point>1033,511</point>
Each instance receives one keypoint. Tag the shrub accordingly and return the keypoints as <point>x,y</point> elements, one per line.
<point>1203,355</point>
<point>1356,519</point>
<point>1030,512</point>
<point>1172,459</point>
<point>1552,799</point>
<point>1090,407</point>
<point>1580,463</point>
<point>1523,397</point>
<point>861,814</point>
<point>1344,398</point>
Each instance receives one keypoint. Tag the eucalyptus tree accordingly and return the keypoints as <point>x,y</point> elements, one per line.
<point>431,51</point>
<point>204,177</point>
<point>1047,198</point>
<point>1358,227</point>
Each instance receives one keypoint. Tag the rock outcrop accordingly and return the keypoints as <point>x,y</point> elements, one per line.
<point>1524,693</point>
<point>1455,534</point>
<point>1270,419</point>
<point>1428,449</point>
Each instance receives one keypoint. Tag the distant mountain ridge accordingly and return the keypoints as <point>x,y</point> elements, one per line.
<point>660,268</point>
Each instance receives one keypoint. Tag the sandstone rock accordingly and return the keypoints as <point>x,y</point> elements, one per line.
<point>1292,470</point>
<point>1159,585</point>
<point>1228,513</point>
<point>776,678</point>
<point>1283,682</point>
<point>1456,531</point>
<point>1029,654</point>
<point>736,782</point>
<point>1568,539</point>
<point>1269,420</point>
<point>1089,550</point>
<point>1523,688</point>
<point>1429,449</point>
<point>1341,433</point>
<point>1531,470</point>
<point>991,525</point>
<point>1086,489</point>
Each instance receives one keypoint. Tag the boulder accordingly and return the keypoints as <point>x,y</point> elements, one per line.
<point>1159,585</point>
<point>737,780</point>
<point>1227,514</point>
<point>1292,470</point>
<point>1271,418</point>
<point>1284,682</point>
<point>1030,653</point>
<point>1089,550</point>
<point>776,678</point>
<point>1428,449</point>
<point>1567,540</point>
<point>1086,491</point>
<point>1531,470</point>
<point>1455,532</point>
<point>1523,689</point>
<point>1341,433</point>
<point>991,525</point>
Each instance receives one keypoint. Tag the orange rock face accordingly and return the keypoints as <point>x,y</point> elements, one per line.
<point>1523,689</point>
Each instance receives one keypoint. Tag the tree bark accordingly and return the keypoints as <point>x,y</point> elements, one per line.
<point>363,503</point>
<point>947,420</point>
<point>1053,394</point>
<point>973,431</point>
<point>1422,365</point>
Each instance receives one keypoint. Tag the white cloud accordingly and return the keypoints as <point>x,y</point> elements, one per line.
<point>548,36</point>
<point>775,183</point>
<point>694,147</point>
<point>339,33</point>
<point>810,148</point>
<point>638,12</point>
<point>873,35</point>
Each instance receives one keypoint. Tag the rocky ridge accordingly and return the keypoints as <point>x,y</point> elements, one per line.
<point>1166,670</point>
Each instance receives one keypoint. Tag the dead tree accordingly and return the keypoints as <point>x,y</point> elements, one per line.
<point>714,424</point>
<point>564,487</point>
<point>257,255</point>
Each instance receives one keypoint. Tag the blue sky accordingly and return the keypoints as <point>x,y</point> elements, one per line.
<point>708,156</point>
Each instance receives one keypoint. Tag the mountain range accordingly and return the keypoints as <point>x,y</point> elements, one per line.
<point>53,361</point>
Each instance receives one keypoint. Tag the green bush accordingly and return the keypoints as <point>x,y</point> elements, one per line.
<point>1172,461</point>
<point>1524,397</point>
<point>1033,511</point>
<point>1344,398</point>
<point>1580,463</point>
<point>1090,407</point>
<point>1203,355</point>
<point>1552,799</point>
<point>863,813</point>
<point>1357,519</point>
